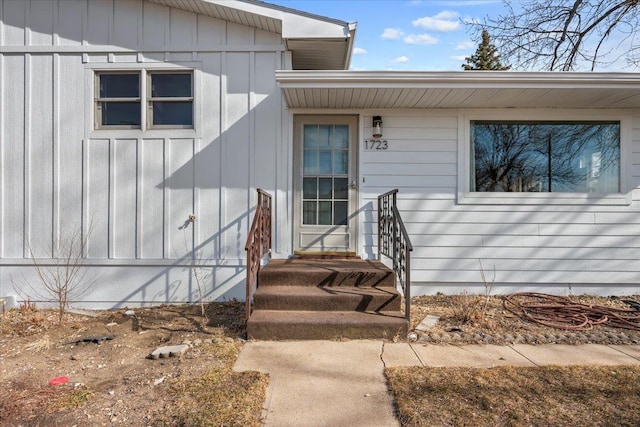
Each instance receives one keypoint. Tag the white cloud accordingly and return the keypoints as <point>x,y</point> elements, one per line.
<point>420,39</point>
<point>401,60</point>
<point>444,21</point>
<point>459,57</point>
<point>465,45</point>
<point>391,34</point>
<point>359,51</point>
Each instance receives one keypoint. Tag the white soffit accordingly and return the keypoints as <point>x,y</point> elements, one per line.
<point>458,89</point>
<point>316,42</point>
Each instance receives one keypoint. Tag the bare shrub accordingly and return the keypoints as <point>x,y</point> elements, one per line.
<point>62,278</point>
<point>472,308</point>
<point>196,264</point>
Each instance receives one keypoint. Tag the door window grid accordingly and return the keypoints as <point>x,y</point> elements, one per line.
<point>325,175</point>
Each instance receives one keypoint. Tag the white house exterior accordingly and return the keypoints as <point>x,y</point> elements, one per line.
<point>148,125</point>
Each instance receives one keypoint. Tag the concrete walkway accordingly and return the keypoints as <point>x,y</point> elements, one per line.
<point>329,383</point>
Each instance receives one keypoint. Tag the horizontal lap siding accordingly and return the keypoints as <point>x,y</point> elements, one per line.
<point>131,192</point>
<point>525,245</point>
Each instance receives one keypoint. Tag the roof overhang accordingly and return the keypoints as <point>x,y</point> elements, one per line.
<point>458,89</point>
<point>316,42</point>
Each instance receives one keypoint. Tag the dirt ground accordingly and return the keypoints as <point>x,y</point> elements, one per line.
<point>111,382</point>
<point>476,319</point>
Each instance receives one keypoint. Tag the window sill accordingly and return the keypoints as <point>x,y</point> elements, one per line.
<point>477,198</point>
<point>170,132</point>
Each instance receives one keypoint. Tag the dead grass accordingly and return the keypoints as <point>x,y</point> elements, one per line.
<point>113,383</point>
<point>219,397</point>
<point>71,399</point>
<point>509,396</point>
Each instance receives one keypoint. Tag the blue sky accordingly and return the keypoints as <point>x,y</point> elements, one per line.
<point>406,34</point>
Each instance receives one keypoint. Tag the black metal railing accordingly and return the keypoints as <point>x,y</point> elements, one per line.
<point>394,242</point>
<point>258,245</point>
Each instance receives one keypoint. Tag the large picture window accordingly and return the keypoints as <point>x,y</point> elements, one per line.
<point>119,99</point>
<point>548,157</point>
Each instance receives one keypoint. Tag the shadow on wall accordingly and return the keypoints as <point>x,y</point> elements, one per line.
<point>217,279</point>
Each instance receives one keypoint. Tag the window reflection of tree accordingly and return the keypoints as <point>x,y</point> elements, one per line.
<point>546,157</point>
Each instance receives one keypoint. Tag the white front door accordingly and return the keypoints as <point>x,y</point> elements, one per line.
<point>325,190</point>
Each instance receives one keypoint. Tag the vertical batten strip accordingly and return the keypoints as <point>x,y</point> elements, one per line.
<point>139,175</point>
<point>55,151</point>
<point>165,201</point>
<point>26,208</point>
<point>195,199</point>
<point>280,168</point>
<point>251,103</point>
<point>1,44</point>
<point>85,22</point>
<point>2,145</point>
<point>27,26</point>
<point>223,150</point>
<point>111,202</point>
<point>55,39</point>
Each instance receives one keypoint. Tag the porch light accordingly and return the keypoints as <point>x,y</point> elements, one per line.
<point>377,127</point>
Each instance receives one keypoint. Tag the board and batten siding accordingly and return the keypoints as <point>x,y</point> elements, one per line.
<point>131,192</point>
<point>554,248</point>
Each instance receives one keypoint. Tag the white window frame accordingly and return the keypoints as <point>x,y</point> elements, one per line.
<point>98,101</point>
<point>150,99</point>
<point>466,196</point>
<point>95,130</point>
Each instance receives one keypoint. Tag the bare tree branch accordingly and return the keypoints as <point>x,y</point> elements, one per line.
<point>565,35</point>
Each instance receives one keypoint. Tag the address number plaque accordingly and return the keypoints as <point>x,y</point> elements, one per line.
<point>376,144</point>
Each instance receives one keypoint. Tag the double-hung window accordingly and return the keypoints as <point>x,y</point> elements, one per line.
<point>170,99</point>
<point>545,156</point>
<point>118,101</point>
<point>122,103</point>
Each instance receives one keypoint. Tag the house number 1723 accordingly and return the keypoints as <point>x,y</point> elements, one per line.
<point>376,144</point>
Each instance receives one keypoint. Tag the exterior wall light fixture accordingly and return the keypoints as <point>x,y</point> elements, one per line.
<point>377,127</point>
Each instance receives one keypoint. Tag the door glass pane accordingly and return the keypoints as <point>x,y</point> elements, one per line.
<point>340,136</point>
<point>341,162</point>
<point>340,213</point>
<point>310,136</point>
<point>310,188</point>
<point>325,162</point>
<point>309,213</point>
<point>340,188</point>
<point>323,135</point>
<point>325,181</point>
<point>324,213</point>
<point>324,188</point>
<point>310,161</point>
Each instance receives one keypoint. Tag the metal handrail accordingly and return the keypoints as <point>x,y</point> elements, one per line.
<point>394,242</point>
<point>258,245</point>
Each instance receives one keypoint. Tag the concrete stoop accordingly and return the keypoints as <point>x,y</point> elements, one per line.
<point>301,299</point>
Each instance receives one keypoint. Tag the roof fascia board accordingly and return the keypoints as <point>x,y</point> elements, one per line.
<point>456,79</point>
<point>295,24</point>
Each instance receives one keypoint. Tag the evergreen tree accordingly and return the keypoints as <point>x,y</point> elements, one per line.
<point>486,56</point>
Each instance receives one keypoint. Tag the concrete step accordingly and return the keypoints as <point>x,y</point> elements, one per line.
<point>314,298</point>
<point>326,273</point>
<point>325,325</point>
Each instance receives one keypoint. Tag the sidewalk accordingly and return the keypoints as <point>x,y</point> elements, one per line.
<point>329,383</point>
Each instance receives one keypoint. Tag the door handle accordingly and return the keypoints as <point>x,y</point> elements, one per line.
<point>354,184</point>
